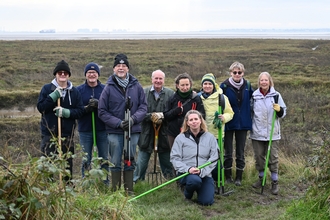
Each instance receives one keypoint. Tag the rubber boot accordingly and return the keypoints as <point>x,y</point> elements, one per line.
<point>228,176</point>
<point>274,187</point>
<point>258,184</point>
<point>238,178</point>
<point>128,181</point>
<point>116,180</point>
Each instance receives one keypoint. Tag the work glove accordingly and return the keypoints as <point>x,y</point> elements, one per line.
<point>125,124</point>
<point>92,104</point>
<point>62,112</point>
<point>178,110</point>
<point>56,94</point>
<point>217,121</point>
<point>276,107</point>
<point>157,117</point>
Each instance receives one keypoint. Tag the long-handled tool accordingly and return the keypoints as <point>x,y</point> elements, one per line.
<point>155,173</point>
<point>221,170</point>
<point>170,181</point>
<point>127,134</point>
<point>94,136</point>
<point>268,153</point>
<point>59,131</point>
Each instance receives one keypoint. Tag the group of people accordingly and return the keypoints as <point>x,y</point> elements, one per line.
<point>120,115</point>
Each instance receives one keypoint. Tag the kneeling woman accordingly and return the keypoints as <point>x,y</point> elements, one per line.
<point>193,147</point>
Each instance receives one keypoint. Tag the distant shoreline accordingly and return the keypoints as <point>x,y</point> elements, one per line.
<point>10,36</point>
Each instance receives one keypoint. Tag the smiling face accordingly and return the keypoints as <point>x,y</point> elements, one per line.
<point>208,87</point>
<point>91,77</point>
<point>264,83</point>
<point>62,77</point>
<point>237,74</point>
<point>121,70</point>
<point>184,85</point>
<point>158,80</point>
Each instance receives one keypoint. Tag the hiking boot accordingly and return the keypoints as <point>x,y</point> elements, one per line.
<point>228,176</point>
<point>258,184</point>
<point>238,178</point>
<point>275,187</point>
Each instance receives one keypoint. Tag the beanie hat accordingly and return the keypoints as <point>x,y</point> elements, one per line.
<point>209,77</point>
<point>62,65</point>
<point>92,66</point>
<point>121,59</point>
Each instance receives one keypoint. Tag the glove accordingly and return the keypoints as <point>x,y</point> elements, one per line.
<point>217,121</point>
<point>62,112</point>
<point>277,107</point>
<point>157,117</point>
<point>56,94</point>
<point>88,108</point>
<point>93,103</point>
<point>178,110</point>
<point>125,124</point>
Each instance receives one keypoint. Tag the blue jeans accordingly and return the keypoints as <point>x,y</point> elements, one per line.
<point>116,149</point>
<point>203,186</point>
<point>86,142</point>
<point>142,165</point>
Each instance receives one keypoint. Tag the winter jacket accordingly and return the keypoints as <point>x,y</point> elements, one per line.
<point>112,105</point>
<point>186,152</point>
<point>85,122</point>
<point>49,121</point>
<point>262,115</point>
<point>147,136</point>
<point>174,119</point>
<point>240,103</point>
<point>211,105</point>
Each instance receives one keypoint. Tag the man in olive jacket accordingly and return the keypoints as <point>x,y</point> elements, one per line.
<point>157,96</point>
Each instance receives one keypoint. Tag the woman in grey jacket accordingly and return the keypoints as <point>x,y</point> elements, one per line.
<point>193,147</point>
<point>265,101</point>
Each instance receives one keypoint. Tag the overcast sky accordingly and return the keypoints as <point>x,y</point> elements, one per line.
<point>159,15</point>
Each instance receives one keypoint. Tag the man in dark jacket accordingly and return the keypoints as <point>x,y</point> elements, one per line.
<point>122,94</point>
<point>90,93</point>
<point>60,104</point>
<point>157,96</point>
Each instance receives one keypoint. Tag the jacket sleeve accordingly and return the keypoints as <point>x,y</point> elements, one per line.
<point>45,102</point>
<point>214,156</point>
<point>78,110</point>
<point>176,155</point>
<point>228,112</point>
<point>141,111</point>
<point>282,105</point>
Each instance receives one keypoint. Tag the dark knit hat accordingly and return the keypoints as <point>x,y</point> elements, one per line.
<point>92,66</point>
<point>62,65</point>
<point>209,77</point>
<point>121,59</point>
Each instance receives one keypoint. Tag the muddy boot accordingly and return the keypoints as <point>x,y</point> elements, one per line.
<point>128,181</point>
<point>258,184</point>
<point>238,178</point>
<point>116,180</point>
<point>228,176</point>
<point>275,187</point>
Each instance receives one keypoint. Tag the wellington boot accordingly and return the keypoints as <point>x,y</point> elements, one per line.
<point>275,187</point>
<point>128,181</point>
<point>228,176</point>
<point>116,180</point>
<point>258,184</point>
<point>238,179</point>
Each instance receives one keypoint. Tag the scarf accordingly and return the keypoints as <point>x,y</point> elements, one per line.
<point>235,84</point>
<point>123,82</point>
<point>184,94</point>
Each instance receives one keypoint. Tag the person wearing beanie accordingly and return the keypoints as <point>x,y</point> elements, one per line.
<point>59,100</point>
<point>123,94</point>
<point>209,94</point>
<point>90,92</point>
<point>239,92</point>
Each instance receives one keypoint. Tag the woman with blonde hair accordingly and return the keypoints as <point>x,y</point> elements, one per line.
<point>193,147</point>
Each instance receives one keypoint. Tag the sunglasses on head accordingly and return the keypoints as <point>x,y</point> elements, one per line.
<point>239,72</point>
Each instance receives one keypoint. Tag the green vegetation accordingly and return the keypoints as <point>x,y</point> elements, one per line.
<point>300,75</point>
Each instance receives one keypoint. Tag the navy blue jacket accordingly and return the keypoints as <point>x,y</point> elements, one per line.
<point>85,122</point>
<point>49,121</point>
<point>240,101</point>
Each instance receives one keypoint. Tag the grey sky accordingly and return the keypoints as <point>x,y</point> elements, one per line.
<point>159,15</point>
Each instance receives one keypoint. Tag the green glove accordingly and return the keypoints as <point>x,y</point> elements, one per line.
<point>62,112</point>
<point>217,121</point>
<point>56,94</point>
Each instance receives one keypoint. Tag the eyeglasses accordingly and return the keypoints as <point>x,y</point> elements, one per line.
<point>63,72</point>
<point>235,72</point>
<point>90,73</point>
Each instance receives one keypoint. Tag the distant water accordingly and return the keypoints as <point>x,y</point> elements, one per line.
<point>170,35</point>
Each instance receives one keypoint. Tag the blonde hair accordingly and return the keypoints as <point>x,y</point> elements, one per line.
<point>237,65</point>
<point>185,126</point>
<point>271,82</point>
